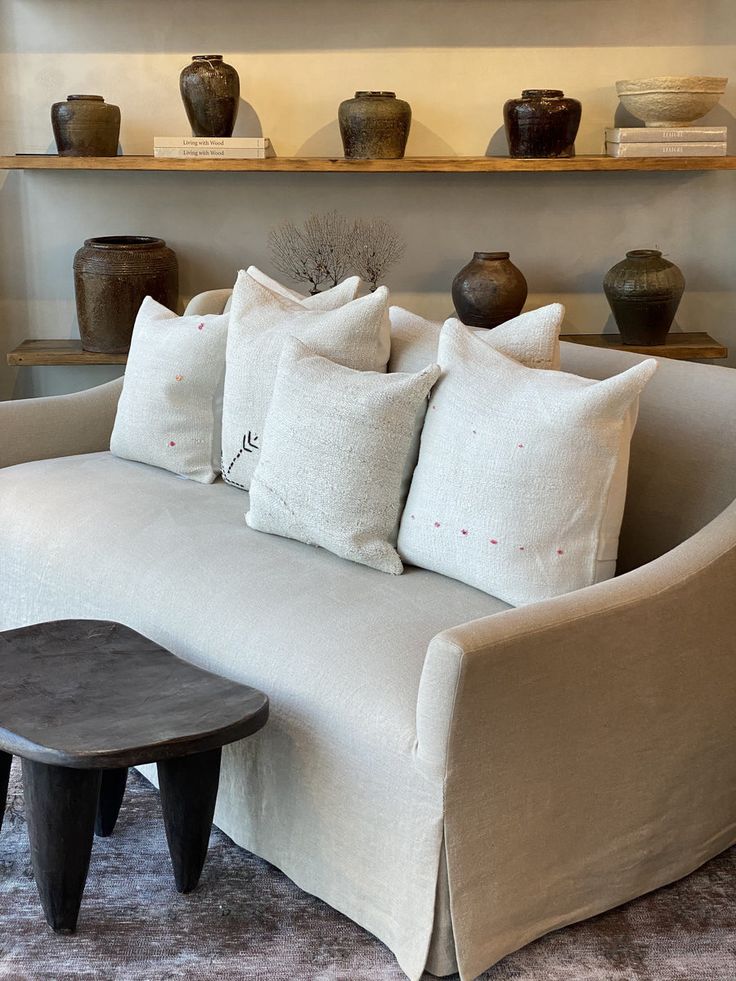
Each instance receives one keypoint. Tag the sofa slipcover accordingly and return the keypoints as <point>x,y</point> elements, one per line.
<point>458,777</point>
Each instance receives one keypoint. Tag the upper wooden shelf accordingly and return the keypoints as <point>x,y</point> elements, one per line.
<point>406,165</point>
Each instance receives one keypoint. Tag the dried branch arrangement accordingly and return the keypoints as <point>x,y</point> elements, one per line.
<point>328,247</point>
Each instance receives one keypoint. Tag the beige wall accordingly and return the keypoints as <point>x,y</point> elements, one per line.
<point>456,62</point>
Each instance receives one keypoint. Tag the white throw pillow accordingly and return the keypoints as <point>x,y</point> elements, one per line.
<point>517,490</point>
<point>170,407</point>
<point>325,300</point>
<point>532,338</point>
<point>356,334</point>
<point>334,452</point>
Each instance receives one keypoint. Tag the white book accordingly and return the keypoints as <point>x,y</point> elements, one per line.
<point>254,153</point>
<point>666,149</point>
<point>657,134</point>
<point>220,142</point>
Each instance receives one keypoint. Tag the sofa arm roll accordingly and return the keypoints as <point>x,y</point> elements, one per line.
<point>589,745</point>
<point>58,425</point>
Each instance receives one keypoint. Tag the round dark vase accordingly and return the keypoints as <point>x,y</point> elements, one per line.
<point>374,126</point>
<point>85,126</point>
<point>644,291</point>
<point>542,123</point>
<point>210,90</point>
<point>489,291</point>
<point>112,275</point>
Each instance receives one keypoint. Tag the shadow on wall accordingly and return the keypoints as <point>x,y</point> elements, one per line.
<point>14,315</point>
<point>248,122</point>
<point>282,25</point>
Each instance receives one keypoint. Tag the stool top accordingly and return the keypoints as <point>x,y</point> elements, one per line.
<point>97,694</point>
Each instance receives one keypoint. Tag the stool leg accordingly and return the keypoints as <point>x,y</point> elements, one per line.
<point>5,760</point>
<point>61,804</point>
<point>188,793</point>
<point>112,789</point>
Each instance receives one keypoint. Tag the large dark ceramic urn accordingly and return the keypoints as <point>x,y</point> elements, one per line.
<point>644,291</point>
<point>112,276</point>
<point>489,291</point>
<point>542,123</point>
<point>85,126</point>
<point>210,91</point>
<point>374,125</point>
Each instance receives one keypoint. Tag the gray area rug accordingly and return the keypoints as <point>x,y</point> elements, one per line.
<point>248,921</point>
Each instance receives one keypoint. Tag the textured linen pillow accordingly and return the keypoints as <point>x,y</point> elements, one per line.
<point>532,338</point>
<point>169,410</point>
<point>335,445</point>
<point>516,485</point>
<point>356,334</point>
<point>326,300</point>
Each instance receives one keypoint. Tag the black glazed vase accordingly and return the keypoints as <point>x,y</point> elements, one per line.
<point>85,126</point>
<point>374,126</point>
<point>644,291</point>
<point>489,291</point>
<point>210,91</point>
<point>542,123</point>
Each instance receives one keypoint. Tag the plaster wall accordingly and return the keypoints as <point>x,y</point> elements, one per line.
<point>456,62</point>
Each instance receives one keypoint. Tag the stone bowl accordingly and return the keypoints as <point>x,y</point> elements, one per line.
<point>671,100</point>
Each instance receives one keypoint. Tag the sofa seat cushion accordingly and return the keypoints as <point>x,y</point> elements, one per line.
<point>97,536</point>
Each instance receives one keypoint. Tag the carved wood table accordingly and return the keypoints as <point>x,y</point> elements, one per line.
<point>80,702</point>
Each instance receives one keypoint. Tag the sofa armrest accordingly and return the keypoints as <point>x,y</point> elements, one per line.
<point>211,301</point>
<point>58,425</point>
<point>588,745</point>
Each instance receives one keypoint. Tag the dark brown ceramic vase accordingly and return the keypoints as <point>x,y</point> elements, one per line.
<point>85,126</point>
<point>112,275</point>
<point>210,90</point>
<point>489,291</point>
<point>542,123</point>
<point>644,291</point>
<point>374,126</point>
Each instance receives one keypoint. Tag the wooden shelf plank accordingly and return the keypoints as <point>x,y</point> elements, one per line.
<point>429,165</point>
<point>681,347</point>
<point>59,352</point>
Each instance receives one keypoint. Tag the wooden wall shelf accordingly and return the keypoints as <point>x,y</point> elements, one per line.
<point>407,165</point>
<point>59,352</point>
<point>681,347</point>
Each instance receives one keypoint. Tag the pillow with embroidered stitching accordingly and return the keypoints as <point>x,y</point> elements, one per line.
<point>517,490</point>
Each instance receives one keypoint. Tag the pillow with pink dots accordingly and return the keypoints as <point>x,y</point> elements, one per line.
<point>170,408</point>
<point>519,488</point>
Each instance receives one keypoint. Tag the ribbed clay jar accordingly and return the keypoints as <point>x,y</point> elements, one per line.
<point>374,126</point>
<point>542,123</point>
<point>85,126</point>
<point>112,275</point>
<point>489,291</point>
<point>210,91</point>
<point>644,291</point>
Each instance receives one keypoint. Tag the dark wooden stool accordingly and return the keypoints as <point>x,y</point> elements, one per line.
<point>80,702</point>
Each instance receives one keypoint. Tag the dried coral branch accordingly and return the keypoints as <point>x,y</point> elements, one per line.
<point>374,247</point>
<point>293,253</point>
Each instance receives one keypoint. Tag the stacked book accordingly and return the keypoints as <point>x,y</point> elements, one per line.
<point>651,141</point>
<point>225,147</point>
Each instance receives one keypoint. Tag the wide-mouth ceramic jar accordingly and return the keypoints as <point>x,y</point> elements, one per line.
<point>374,125</point>
<point>85,126</point>
<point>542,123</point>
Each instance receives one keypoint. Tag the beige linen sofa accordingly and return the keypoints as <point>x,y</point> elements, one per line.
<point>457,776</point>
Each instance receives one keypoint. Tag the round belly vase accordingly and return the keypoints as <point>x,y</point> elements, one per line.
<point>644,291</point>
<point>210,91</point>
<point>112,275</point>
<point>542,123</point>
<point>85,126</point>
<point>489,291</point>
<point>374,126</point>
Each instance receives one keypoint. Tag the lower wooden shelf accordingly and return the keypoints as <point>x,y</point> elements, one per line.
<point>59,352</point>
<point>681,347</point>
